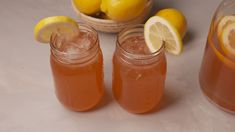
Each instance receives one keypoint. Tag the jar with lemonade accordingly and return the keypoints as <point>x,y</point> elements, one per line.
<point>76,61</point>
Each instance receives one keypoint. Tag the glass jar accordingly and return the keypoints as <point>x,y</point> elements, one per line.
<point>138,75</point>
<point>77,68</point>
<point>217,74</point>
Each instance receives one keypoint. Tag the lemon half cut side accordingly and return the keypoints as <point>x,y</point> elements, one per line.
<point>157,31</point>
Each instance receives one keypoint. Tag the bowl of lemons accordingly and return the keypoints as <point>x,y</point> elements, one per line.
<point>112,16</point>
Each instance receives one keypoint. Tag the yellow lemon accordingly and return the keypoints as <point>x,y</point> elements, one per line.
<point>55,24</point>
<point>88,7</point>
<point>176,18</point>
<point>123,10</point>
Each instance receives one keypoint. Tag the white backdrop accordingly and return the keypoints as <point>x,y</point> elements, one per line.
<point>27,99</point>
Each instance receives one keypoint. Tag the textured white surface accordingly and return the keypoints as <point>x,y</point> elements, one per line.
<point>28,103</point>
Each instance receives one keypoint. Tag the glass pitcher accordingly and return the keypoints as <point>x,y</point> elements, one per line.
<point>217,74</point>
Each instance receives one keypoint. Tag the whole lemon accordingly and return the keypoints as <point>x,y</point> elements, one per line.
<point>176,18</point>
<point>123,10</point>
<point>87,7</point>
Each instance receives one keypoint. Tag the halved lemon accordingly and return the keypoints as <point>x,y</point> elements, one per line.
<point>57,24</point>
<point>227,39</point>
<point>223,22</point>
<point>158,31</point>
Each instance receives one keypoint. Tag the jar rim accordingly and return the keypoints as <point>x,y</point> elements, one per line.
<point>137,56</point>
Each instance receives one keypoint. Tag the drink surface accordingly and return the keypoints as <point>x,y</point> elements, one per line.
<point>217,75</point>
<point>79,81</point>
<point>138,88</point>
<point>136,45</point>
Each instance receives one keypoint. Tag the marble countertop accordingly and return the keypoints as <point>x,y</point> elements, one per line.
<point>28,102</point>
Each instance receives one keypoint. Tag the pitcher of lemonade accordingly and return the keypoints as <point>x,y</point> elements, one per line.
<point>217,75</point>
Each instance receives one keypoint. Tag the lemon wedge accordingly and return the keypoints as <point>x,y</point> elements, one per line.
<point>57,24</point>
<point>227,39</point>
<point>158,31</point>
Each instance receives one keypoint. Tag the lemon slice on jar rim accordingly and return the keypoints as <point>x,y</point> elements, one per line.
<point>55,24</point>
<point>158,31</point>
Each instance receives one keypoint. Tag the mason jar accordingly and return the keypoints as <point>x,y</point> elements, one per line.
<point>138,75</point>
<point>77,68</point>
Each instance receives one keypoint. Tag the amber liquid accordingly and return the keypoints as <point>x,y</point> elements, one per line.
<point>217,75</point>
<point>138,88</point>
<point>78,80</point>
<point>78,87</point>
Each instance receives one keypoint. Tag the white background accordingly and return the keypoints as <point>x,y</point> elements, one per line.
<point>27,99</point>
